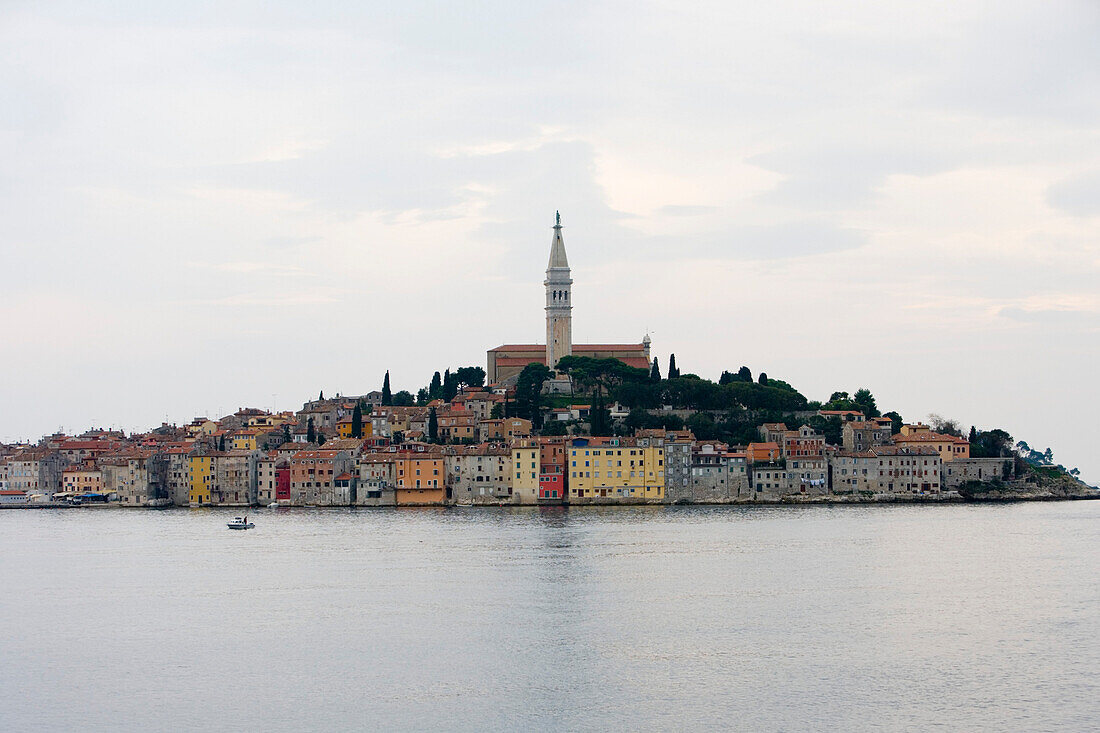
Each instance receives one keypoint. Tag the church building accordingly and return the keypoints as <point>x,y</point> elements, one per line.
<point>509,360</point>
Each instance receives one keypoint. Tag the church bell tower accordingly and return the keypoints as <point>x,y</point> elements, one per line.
<point>559,301</point>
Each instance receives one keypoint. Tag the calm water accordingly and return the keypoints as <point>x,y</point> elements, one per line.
<point>785,618</point>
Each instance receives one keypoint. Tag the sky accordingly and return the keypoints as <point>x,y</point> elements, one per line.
<point>211,205</point>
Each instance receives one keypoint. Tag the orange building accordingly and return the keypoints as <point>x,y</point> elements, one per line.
<point>82,478</point>
<point>920,435</point>
<point>763,452</point>
<point>419,478</point>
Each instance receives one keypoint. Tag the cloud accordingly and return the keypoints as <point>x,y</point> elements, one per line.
<point>251,268</point>
<point>268,299</point>
<point>687,210</point>
<point>922,175</point>
<point>285,242</point>
<point>1078,195</point>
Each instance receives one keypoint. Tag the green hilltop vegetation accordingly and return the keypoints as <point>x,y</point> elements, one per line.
<point>730,410</point>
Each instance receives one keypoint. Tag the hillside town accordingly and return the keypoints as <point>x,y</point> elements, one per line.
<point>384,458</point>
<point>551,423</point>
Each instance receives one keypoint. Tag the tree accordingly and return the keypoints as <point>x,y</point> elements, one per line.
<point>655,371</point>
<point>554,427</point>
<point>286,433</point>
<point>497,412</point>
<point>726,377</point>
<point>944,425</point>
<point>600,374</point>
<point>387,396</point>
<point>599,417</point>
<point>435,389</point>
<point>450,386</point>
<point>470,376</point>
<point>321,396</point>
<point>895,422</point>
<point>357,421</point>
<point>422,396</point>
<point>744,374</point>
<point>994,443</point>
<point>221,443</point>
<point>321,439</point>
<point>433,426</point>
<point>702,425</point>
<point>311,432</point>
<point>763,378</point>
<point>865,402</point>
<point>403,398</point>
<point>673,372</point>
<point>529,392</point>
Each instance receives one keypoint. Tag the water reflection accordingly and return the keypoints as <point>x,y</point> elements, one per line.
<point>968,617</point>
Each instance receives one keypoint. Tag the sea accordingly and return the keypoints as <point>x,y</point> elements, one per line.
<point>975,617</point>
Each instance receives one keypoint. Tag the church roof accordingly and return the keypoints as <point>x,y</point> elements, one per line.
<point>557,250</point>
<point>576,347</point>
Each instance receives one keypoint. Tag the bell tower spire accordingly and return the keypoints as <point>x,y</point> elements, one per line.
<point>559,300</point>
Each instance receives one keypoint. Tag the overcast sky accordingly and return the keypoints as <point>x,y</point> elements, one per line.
<point>210,205</point>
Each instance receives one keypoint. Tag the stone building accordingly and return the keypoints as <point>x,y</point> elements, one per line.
<point>376,485</point>
<point>36,471</point>
<point>507,361</point>
<point>138,478</point>
<point>960,470</point>
<point>860,435</point>
<point>479,474</point>
<point>717,475</point>
<point>677,448</point>
<point>888,469</point>
<point>235,482</point>
<point>806,468</point>
<point>313,474</point>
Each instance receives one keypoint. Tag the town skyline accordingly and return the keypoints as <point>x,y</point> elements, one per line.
<point>898,199</point>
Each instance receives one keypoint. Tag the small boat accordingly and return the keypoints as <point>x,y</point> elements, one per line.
<point>240,523</point>
<point>273,505</point>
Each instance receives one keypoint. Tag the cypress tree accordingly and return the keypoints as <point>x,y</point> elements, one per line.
<point>320,439</point>
<point>673,372</point>
<point>357,421</point>
<point>286,433</point>
<point>435,389</point>
<point>311,433</point>
<point>433,426</point>
<point>763,379</point>
<point>450,386</point>
<point>321,396</point>
<point>655,371</point>
<point>387,396</point>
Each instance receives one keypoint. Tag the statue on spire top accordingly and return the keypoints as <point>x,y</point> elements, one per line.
<point>557,218</point>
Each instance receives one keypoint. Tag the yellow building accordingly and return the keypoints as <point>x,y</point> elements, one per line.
<point>615,468</point>
<point>203,472</point>
<point>82,478</point>
<point>202,426</point>
<point>345,427</point>
<point>525,471</point>
<point>243,440</point>
<point>268,422</point>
